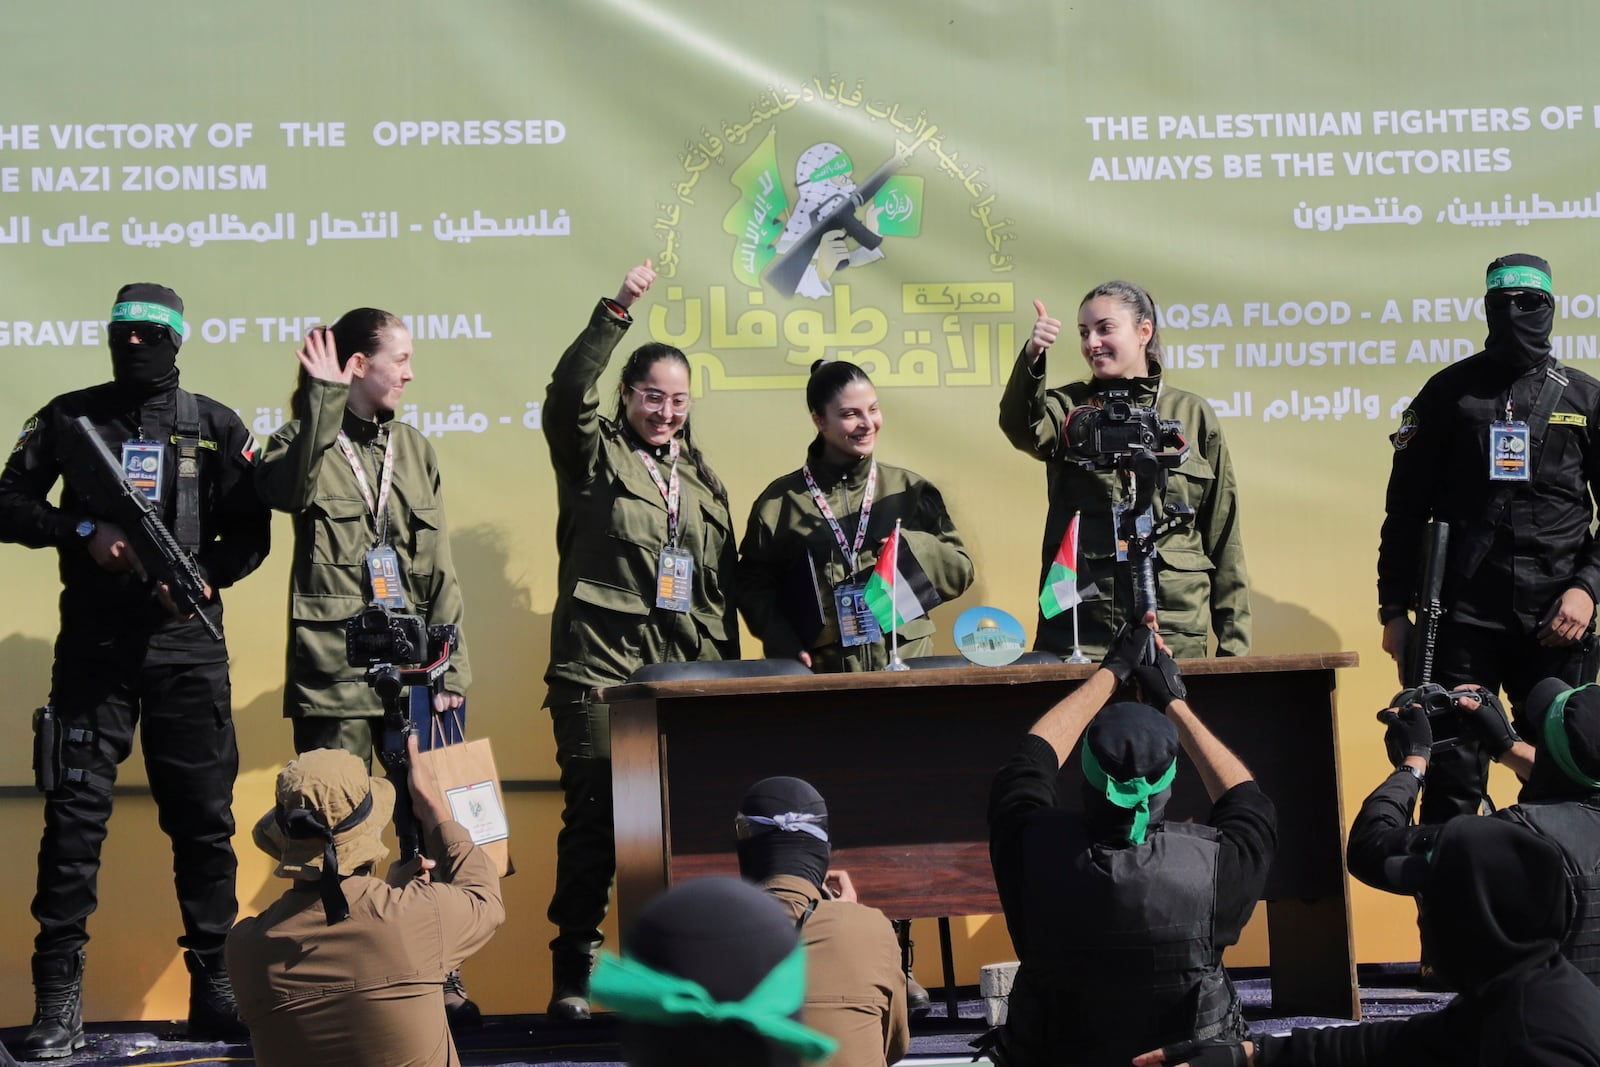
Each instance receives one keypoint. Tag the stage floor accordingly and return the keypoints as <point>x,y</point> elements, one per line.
<point>1387,990</point>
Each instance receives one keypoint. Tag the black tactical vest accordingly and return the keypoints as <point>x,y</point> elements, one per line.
<point>1575,827</point>
<point>1118,955</point>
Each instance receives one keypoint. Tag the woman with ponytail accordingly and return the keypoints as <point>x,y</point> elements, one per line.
<point>646,562</point>
<point>1201,584</point>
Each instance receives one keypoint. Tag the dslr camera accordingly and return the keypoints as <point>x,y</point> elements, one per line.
<point>1445,719</point>
<point>377,637</point>
<point>1106,436</point>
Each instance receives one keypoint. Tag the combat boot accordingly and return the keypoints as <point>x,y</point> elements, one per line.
<point>57,1028</point>
<point>459,1010</point>
<point>569,994</point>
<point>213,1013</point>
<point>918,1003</point>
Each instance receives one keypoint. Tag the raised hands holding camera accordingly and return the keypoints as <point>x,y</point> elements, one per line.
<point>1409,733</point>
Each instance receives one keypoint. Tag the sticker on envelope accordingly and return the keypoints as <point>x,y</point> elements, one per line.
<point>477,807</point>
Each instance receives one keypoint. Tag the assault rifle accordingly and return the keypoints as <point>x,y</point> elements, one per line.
<point>96,477</point>
<point>838,212</point>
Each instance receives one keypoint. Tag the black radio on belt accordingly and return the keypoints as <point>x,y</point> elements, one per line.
<point>46,749</point>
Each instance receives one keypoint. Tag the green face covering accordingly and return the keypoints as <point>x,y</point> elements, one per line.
<point>1556,743</point>
<point>1133,794</point>
<point>638,991</point>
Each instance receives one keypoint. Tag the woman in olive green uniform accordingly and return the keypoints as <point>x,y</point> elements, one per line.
<point>1201,582</point>
<point>646,558</point>
<point>818,530</point>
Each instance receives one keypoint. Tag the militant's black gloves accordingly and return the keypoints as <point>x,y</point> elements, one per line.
<point>1210,1053</point>
<point>1127,650</point>
<point>1488,721</point>
<point>1161,681</point>
<point>1409,732</point>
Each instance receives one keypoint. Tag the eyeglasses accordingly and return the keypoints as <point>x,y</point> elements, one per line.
<point>655,400</point>
<point>1522,300</point>
<point>148,333</point>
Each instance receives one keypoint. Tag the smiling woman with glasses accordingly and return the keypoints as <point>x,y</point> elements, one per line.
<point>646,560</point>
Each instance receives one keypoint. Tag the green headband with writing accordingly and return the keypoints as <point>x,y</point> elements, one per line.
<point>1133,794</point>
<point>839,164</point>
<point>1556,743</point>
<point>1519,278</point>
<point>144,311</point>
<point>639,991</point>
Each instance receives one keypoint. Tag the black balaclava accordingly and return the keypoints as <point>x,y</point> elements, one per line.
<point>1493,901</point>
<point>726,935</point>
<point>774,842</point>
<point>145,369</point>
<point>1568,762</point>
<point>1518,339</point>
<point>1129,742</point>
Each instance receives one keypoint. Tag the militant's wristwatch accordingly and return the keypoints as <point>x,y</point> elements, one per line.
<point>86,528</point>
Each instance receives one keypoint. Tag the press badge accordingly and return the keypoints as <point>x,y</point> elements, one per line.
<point>1508,452</point>
<point>857,624</point>
<point>674,580</point>
<point>141,466</point>
<point>383,571</point>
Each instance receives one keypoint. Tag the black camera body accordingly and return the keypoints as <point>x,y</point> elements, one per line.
<point>1445,719</point>
<point>1104,437</point>
<point>376,636</point>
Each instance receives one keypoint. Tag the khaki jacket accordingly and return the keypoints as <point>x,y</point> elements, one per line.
<point>1200,571</point>
<point>368,991</point>
<point>855,987</point>
<point>611,525</point>
<point>304,472</point>
<point>786,526</point>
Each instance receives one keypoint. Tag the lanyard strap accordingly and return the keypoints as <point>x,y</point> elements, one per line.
<point>851,550</point>
<point>379,509</point>
<point>668,487</point>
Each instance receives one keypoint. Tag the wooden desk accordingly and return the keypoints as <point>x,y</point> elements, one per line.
<point>905,760</point>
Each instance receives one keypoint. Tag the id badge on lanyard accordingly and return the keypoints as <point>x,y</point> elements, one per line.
<point>674,567</point>
<point>384,579</point>
<point>857,624</point>
<point>1509,452</point>
<point>142,463</point>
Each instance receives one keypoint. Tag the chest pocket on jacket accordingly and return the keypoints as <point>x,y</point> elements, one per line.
<point>341,530</point>
<point>635,517</point>
<point>425,525</point>
<point>1192,482</point>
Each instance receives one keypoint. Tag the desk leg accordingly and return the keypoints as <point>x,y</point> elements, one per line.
<point>947,960</point>
<point>640,807</point>
<point>1312,959</point>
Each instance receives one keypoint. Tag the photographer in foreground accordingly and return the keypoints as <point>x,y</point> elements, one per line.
<point>1119,918</point>
<point>1200,572</point>
<point>347,967</point>
<point>1560,800</point>
<point>1493,905</point>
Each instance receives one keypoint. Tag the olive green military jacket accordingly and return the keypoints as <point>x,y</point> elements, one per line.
<point>787,540</point>
<point>304,472</point>
<point>611,525</point>
<point>1200,571</point>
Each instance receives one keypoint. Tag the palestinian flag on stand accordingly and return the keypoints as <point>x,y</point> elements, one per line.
<point>899,589</point>
<point>1060,591</point>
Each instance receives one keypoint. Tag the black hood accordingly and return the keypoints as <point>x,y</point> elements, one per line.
<point>1518,338</point>
<point>145,369</point>
<point>766,850</point>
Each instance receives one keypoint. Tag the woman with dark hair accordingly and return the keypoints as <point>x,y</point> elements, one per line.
<point>815,534</point>
<point>646,560</point>
<point>1201,582</point>
<point>369,525</point>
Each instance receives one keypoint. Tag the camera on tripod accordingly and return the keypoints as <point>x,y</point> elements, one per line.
<point>1109,435</point>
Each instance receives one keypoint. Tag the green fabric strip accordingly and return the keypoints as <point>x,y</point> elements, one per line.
<point>1556,743</point>
<point>637,991</point>
<point>1133,794</point>
<point>1520,278</point>
<point>144,311</point>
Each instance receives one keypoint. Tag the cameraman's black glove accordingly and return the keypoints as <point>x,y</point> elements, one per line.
<point>1127,650</point>
<point>1161,681</point>
<point>1488,721</point>
<point>1409,733</point>
<point>1211,1053</point>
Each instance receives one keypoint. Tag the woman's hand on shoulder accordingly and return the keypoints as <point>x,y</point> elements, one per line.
<point>635,283</point>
